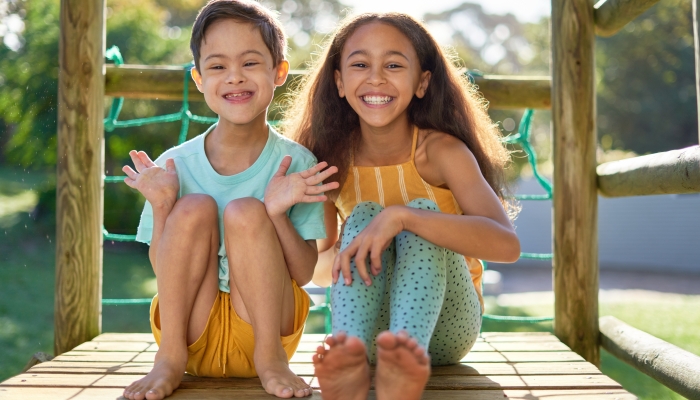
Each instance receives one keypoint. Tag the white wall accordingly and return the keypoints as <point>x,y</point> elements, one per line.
<point>647,232</point>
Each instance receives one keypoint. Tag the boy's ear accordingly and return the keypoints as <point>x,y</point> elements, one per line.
<point>282,72</point>
<point>423,84</point>
<point>197,78</point>
<point>339,84</point>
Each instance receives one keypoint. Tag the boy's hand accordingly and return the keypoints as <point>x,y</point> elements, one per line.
<point>284,190</point>
<point>159,186</point>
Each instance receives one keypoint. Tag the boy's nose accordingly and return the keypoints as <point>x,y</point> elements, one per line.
<point>235,76</point>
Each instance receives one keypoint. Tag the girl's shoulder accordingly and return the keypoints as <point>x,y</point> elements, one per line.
<point>433,145</point>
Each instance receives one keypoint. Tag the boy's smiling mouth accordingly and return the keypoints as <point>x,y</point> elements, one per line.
<point>238,97</point>
<point>376,100</point>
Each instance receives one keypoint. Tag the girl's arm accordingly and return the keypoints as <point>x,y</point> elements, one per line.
<point>483,232</point>
<point>327,249</point>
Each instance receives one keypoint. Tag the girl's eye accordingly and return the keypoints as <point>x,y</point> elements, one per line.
<point>393,66</point>
<point>359,65</point>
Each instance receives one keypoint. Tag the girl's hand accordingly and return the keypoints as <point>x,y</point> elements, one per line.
<point>372,241</point>
<point>284,190</point>
<point>159,186</point>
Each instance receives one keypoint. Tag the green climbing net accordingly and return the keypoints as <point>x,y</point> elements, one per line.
<point>112,122</point>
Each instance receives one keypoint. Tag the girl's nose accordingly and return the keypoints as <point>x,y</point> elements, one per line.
<point>376,76</point>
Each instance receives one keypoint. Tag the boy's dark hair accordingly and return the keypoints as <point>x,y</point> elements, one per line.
<point>242,11</point>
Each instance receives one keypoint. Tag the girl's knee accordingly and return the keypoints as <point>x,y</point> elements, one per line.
<point>424,204</point>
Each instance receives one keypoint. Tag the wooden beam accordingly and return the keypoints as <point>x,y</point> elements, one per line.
<point>166,83</point>
<point>80,166</point>
<point>613,15</point>
<point>671,172</point>
<point>676,368</point>
<point>696,35</point>
<point>575,197</point>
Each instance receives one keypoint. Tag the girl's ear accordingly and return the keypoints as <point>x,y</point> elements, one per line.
<point>339,84</point>
<point>423,84</point>
<point>282,72</point>
<point>197,78</point>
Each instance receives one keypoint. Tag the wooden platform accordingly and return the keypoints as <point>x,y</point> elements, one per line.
<point>501,365</point>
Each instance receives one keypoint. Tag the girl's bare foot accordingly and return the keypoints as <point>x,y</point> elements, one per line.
<point>342,370</point>
<point>163,379</point>
<point>403,367</point>
<point>278,380</point>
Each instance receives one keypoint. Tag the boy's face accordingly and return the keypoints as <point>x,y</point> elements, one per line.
<point>237,74</point>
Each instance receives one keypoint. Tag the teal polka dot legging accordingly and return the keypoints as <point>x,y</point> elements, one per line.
<point>423,289</point>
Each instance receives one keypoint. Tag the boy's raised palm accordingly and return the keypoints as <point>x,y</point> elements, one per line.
<point>159,186</point>
<point>284,190</point>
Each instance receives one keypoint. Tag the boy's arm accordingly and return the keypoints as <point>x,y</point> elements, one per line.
<point>299,254</point>
<point>159,186</point>
<point>281,194</point>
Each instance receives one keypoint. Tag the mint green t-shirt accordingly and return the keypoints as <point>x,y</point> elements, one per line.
<point>196,175</point>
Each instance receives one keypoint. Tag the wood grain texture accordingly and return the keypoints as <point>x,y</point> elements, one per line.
<point>674,367</point>
<point>80,166</point>
<point>613,15</point>
<point>43,393</point>
<point>670,172</point>
<point>166,83</point>
<point>575,191</point>
<point>108,364</point>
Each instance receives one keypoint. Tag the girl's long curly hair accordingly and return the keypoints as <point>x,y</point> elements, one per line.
<point>319,119</point>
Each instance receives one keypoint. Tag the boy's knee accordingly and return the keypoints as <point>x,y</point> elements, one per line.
<point>194,209</point>
<point>245,213</point>
<point>424,204</point>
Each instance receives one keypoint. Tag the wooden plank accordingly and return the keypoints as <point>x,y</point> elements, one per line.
<point>441,382</point>
<point>102,356</point>
<point>526,368</point>
<point>522,356</point>
<point>42,393</point>
<point>674,367</point>
<point>613,15</point>
<point>166,83</point>
<point>547,337</point>
<point>113,346</point>
<point>530,346</point>
<point>670,172</point>
<point>80,166</point>
<point>125,337</point>
<point>575,191</point>
<point>307,369</point>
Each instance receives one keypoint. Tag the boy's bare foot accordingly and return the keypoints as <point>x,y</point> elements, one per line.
<point>278,380</point>
<point>342,370</point>
<point>403,367</point>
<point>163,379</point>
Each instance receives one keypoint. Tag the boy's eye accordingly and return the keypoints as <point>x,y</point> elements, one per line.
<point>216,67</point>
<point>250,63</point>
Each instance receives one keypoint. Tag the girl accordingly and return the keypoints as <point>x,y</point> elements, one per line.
<point>421,198</point>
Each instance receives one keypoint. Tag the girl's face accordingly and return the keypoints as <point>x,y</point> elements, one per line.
<point>379,74</point>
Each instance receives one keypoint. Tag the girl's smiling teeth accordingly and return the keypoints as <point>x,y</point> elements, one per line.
<point>376,100</point>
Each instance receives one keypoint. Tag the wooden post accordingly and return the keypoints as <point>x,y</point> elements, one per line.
<point>575,192</point>
<point>79,188</point>
<point>696,34</point>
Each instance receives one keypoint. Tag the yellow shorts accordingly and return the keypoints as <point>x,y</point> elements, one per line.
<point>225,348</point>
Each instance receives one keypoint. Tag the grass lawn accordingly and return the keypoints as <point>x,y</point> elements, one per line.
<point>27,264</point>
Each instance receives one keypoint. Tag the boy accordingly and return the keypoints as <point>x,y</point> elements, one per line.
<point>230,245</point>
